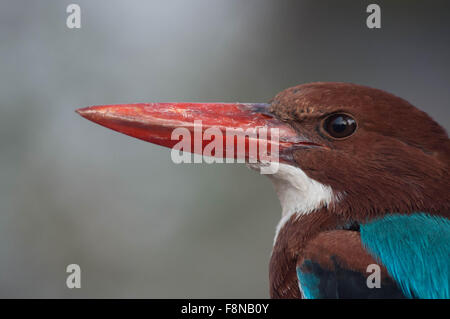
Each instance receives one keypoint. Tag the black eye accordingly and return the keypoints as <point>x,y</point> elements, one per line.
<point>339,125</point>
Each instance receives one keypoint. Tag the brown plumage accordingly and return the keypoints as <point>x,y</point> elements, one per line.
<point>396,162</point>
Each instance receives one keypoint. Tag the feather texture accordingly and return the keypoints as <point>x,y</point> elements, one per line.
<point>334,265</point>
<point>415,249</point>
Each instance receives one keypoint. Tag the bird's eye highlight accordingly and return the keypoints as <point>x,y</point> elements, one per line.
<point>339,125</point>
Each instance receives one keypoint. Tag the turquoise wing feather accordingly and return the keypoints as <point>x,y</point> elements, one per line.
<point>415,250</point>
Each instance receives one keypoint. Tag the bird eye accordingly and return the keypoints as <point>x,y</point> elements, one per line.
<point>339,125</point>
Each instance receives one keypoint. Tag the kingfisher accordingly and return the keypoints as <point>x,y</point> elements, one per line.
<point>363,182</point>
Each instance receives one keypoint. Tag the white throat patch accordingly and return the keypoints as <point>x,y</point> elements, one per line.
<point>298,193</point>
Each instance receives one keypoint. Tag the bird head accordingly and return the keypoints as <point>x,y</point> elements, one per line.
<point>357,151</point>
<point>378,153</point>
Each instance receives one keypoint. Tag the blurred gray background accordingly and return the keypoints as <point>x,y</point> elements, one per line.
<point>137,224</point>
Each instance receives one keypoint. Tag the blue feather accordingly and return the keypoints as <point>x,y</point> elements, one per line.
<point>415,250</point>
<point>308,283</point>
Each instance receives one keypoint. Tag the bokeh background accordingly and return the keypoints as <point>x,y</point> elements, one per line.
<point>137,224</point>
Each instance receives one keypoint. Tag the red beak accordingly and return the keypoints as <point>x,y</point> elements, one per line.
<point>157,123</point>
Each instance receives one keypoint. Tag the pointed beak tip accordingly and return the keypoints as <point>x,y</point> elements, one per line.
<point>81,111</point>
<point>85,112</point>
